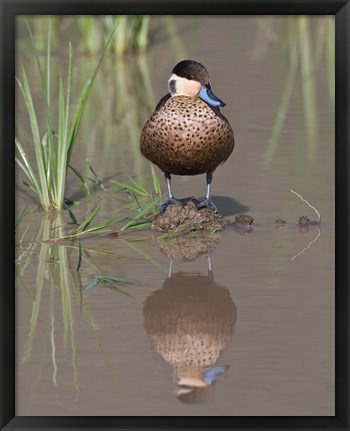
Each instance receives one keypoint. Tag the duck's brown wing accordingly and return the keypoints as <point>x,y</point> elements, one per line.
<point>162,101</point>
<point>217,111</point>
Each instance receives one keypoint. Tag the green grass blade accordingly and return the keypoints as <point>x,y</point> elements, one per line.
<point>93,283</point>
<point>61,167</point>
<point>62,151</point>
<point>39,153</point>
<point>98,229</point>
<point>20,218</point>
<point>142,34</point>
<point>83,228</point>
<point>113,221</point>
<point>82,179</point>
<point>115,279</point>
<point>83,100</point>
<point>106,279</point>
<point>156,182</point>
<point>51,152</point>
<point>27,95</point>
<point>62,154</point>
<point>130,188</point>
<point>29,186</point>
<point>121,39</point>
<point>69,87</point>
<point>27,169</point>
<point>137,184</point>
<point>79,256</point>
<point>48,63</point>
<point>71,215</point>
<point>141,214</point>
<point>86,25</point>
<point>86,223</point>
<point>175,39</point>
<point>96,180</point>
<point>25,232</point>
<point>330,58</point>
<point>46,155</point>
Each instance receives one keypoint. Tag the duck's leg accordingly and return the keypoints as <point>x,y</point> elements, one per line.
<point>207,202</point>
<point>210,270</point>
<point>168,184</point>
<point>171,200</point>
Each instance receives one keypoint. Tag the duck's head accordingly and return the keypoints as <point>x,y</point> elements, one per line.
<point>190,78</point>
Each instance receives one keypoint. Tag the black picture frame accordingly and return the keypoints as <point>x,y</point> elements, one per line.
<point>8,11</point>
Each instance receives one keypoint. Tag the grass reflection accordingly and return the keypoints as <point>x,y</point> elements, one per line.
<point>59,288</point>
<point>56,272</point>
<point>310,47</point>
<point>53,270</point>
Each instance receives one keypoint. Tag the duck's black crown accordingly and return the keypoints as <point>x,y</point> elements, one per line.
<point>193,70</point>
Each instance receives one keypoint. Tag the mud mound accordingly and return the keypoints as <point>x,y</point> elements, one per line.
<point>188,216</point>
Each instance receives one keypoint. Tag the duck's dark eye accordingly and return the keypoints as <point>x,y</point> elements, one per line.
<point>172,86</point>
<point>191,77</point>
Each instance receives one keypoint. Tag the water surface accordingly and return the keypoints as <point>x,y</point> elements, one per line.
<point>253,310</point>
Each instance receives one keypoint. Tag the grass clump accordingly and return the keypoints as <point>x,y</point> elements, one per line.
<point>53,151</point>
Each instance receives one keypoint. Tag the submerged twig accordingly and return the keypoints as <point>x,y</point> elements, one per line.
<point>304,200</point>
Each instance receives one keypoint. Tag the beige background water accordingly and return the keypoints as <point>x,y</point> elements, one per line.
<point>99,360</point>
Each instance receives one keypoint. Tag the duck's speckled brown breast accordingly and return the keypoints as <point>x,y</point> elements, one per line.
<point>186,137</point>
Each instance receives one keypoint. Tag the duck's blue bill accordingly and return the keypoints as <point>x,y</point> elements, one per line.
<point>213,374</point>
<point>209,97</point>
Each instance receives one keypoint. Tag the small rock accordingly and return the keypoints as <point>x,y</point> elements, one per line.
<point>305,221</point>
<point>244,219</point>
<point>280,222</point>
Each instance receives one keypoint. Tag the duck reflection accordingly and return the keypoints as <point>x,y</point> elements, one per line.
<point>190,321</point>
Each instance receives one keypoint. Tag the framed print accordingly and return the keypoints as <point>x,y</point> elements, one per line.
<point>177,175</point>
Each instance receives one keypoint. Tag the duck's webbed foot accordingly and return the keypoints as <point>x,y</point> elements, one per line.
<point>172,201</point>
<point>206,203</point>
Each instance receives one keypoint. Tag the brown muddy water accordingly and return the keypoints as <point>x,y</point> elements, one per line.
<point>234,323</point>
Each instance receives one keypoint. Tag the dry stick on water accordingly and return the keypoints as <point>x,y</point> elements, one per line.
<point>319,221</point>
<point>308,246</point>
<point>304,200</point>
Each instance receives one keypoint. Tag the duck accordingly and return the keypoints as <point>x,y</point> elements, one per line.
<point>187,134</point>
